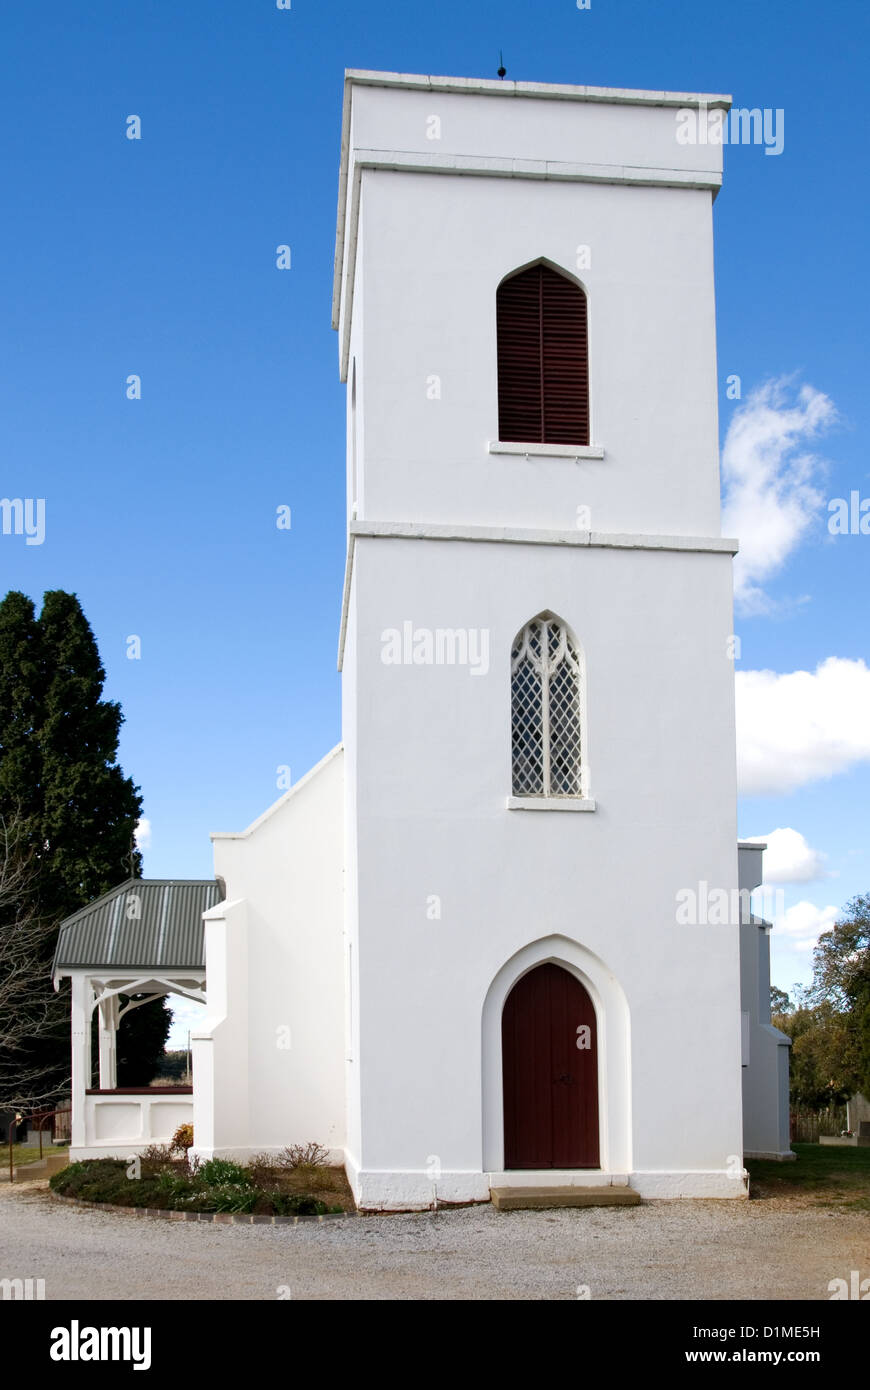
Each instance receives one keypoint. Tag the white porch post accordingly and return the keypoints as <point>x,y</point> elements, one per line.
<point>220,1044</point>
<point>108,1048</point>
<point>82,1003</point>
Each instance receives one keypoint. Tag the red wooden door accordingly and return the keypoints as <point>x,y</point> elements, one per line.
<point>550,1084</point>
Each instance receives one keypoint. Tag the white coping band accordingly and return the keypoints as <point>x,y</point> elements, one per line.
<point>515,535</point>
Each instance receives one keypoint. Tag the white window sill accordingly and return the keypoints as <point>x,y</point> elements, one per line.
<point>555,451</point>
<point>550,803</point>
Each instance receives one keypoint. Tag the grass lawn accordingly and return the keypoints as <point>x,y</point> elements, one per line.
<point>833,1177</point>
<point>27,1153</point>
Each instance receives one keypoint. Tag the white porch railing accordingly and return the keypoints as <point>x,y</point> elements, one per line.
<point>123,1120</point>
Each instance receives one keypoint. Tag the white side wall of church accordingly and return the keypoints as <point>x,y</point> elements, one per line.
<point>287,868</point>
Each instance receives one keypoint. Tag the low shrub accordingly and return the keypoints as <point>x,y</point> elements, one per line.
<point>217,1185</point>
<point>88,1173</point>
<point>221,1172</point>
<point>297,1204</point>
<point>264,1172</point>
<point>182,1139</point>
<point>174,1184</point>
<point>231,1197</point>
<point>303,1156</point>
<point>157,1158</point>
<point>97,1180</point>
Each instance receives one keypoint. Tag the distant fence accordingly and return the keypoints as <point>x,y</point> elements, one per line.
<point>807,1125</point>
<point>63,1123</point>
<point>53,1126</point>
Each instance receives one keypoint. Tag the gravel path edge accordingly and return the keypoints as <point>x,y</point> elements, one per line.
<point>219,1218</point>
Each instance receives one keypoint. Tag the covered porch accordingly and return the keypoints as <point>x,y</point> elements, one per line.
<point>146,939</point>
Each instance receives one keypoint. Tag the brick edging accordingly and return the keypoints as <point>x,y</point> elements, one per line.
<point>220,1218</point>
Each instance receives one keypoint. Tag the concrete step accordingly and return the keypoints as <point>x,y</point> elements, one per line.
<point>46,1167</point>
<point>540,1198</point>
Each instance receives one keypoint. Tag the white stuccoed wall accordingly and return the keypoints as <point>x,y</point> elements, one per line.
<point>428,748</point>
<point>275,960</point>
<point>648,331</point>
<point>765,1054</point>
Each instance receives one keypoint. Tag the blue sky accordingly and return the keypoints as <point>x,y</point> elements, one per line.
<point>157,257</point>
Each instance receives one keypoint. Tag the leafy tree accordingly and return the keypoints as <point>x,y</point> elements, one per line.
<point>174,1066</point>
<point>841,983</point>
<point>22,681</point>
<point>61,783</point>
<point>142,1041</point>
<point>779,1001</point>
<point>89,808</point>
<point>822,1066</point>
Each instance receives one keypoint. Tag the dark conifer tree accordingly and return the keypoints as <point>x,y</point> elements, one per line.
<point>60,779</point>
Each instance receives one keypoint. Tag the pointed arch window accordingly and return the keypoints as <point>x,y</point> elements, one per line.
<point>543,359</point>
<point>546,694</point>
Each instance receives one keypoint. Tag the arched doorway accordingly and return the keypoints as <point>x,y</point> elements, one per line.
<point>550,1072</point>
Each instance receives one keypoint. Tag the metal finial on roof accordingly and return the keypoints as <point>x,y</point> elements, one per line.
<point>501,67</point>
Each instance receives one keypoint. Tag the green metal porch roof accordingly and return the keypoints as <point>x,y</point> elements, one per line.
<point>142,924</point>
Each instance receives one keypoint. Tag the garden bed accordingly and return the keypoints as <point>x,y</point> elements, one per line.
<point>297,1183</point>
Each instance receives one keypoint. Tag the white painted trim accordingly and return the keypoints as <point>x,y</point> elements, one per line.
<point>342,204</point>
<point>485,86</point>
<point>555,451</point>
<point>522,535</point>
<point>552,91</point>
<point>550,803</point>
<point>548,91</point>
<point>344,349</point>
<point>413,1190</point>
<point>143,975</point>
<point>693,1182</point>
<point>478,166</point>
<point>186,987</point>
<point>345,594</point>
<point>222,910</point>
<point>560,170</point>
<point>513,535</point>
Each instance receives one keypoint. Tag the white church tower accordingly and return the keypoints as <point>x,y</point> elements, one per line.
<point>536,651</point>
<point>482,944</point>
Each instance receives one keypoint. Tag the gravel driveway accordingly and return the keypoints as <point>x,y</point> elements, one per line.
<point>662,1250</point>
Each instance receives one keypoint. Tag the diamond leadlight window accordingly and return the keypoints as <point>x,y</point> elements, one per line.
<point>545,711</point>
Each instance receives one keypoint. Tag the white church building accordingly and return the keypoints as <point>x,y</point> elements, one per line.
<point>481,943</point>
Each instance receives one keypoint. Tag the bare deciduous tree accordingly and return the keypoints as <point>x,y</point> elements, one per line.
<point>28,1011</point>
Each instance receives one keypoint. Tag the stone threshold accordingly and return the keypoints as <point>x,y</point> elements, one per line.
<point>543,1198</point>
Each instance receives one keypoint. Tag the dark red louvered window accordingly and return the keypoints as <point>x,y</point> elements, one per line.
<point>543,359</point>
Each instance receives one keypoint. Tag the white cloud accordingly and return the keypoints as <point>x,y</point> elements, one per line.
<point>802,925</point>
<point>769,480</point>
<point>143,833</point>
<point>801,726</point>
<point>788,858</point>
<point>187,1014</point>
